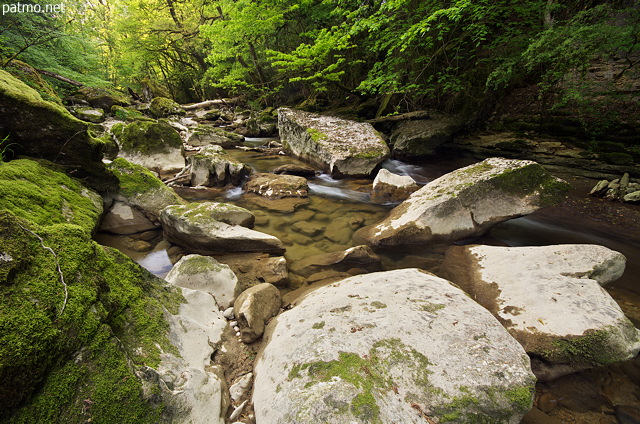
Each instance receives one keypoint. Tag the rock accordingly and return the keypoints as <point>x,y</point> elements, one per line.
<point>213,167</point>
<point>298,170</point>
<point>204,135</point>
<point>162,107</point>
<point>240,387</point>
<point>632,197</point>
<point>59,351</point>
<point>154,145</point>
<point>103,98</point>
<point>88,114</point>
<point>37,192</point>
<point>277,186</point>
<point>207,275</point>
<point>228,313</point>
<point>394,346</point>
<point>196,390</point>
<point>344,148</point>
<point>467,202</point>
<point>238,411</point>
<point>418,138</point>
<point>600,189</point>
<point>140,198</point>
<point>624,183</point>
<point>122,218</point>
<point>532,291</point>
<point>127,114</point>
<point>392,188</point>
<point>42,129</point>
<point>254,307</point>
<point>194,228</point>
<point>253,269</point>
<point>359,256</point>
<point>307,228</point>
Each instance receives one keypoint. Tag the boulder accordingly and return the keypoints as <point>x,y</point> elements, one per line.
<point>400,346</point>
<point>418,138</point>
<point>42,129</point>
<point>277,186</point>
<point>127,114</point>
<point>88,114</point>
<point>633,197</point>
<point>38,192</point>
<point>195,228</point>
<point>207,275</point>
<point>203,135</point>
<point>534,290</point>
<point>467,202</point>
<point>102,98</point>
<point>154,145</point>
<point>193,390</point>
<point>600,189</point>
<point>213,167</point>
<point>360,257</point>
<point>343,147</point>
<point>137,203</point>
<point>162,107</point>
<point>298,170</point>
<point>392,188</point>
<point>253,269</point>
<point>254,307</point>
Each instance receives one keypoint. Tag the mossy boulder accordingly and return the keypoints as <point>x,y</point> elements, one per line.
<point>38,192</point>
<point>418,138</point>
<point>162,107</point>
<point>532,291</point>
<point>103,98</point>
<point>204,135</point>
<point>76,322</point>
<point>127,114</point>
<point>42,129</point>
<point>154,145</point>
<point>214,167</point>
<point>385,347</point>
<point>28,74</point>
<point>467,202</point>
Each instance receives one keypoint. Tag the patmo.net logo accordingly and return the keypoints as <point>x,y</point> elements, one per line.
<point>32,8</point>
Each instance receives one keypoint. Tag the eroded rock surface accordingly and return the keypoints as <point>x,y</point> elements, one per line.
<point>551,300</point>
<point>343,147</point>
<point>274,186</point>
<point>393,346</point>
<point>422,137</point>
<point>467,202</point>
<point>392,188</point>
<point>254,307</point>
<point>204,135</point>
<point>213,167</point>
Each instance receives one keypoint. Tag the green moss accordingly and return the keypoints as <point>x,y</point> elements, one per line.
<point>137,180</point>
<point>127,114</point>
<point>529,180</point>
<point>316,136</point>
<point>521,398</point>
<point>318,325</point>
<point>149,137</point>
<point>197,264</point>
<point>161,107</point>
<point>593,349</point>
<point>35,191</point>
<point>378,305</point>
<point>86,349</point>
<point>617,158</point>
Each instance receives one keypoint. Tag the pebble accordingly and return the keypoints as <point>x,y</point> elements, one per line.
<point>233,324</point>
<point>236,329</point>
<point>228,313</point>
<point>238,334</point>
<point>236,412</point>
<point>240,387</point>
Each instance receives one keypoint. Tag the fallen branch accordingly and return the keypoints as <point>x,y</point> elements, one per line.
<point>60,77</point>
<point>419,114</point>
<point>66,292</point>
<point>206,104</point>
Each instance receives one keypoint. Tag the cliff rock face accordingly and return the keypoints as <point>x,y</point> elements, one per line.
<point>342,147</point>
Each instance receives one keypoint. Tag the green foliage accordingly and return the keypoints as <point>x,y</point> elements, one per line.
<point>5,148</point>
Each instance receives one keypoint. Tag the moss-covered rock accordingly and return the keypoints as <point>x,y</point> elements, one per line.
<point>140,188</point>
<point>127,114</point>
<point>28,74</point>
<point>155,145</point>
<point>204,135</point>
<point>37,192</point>
<point>42,129</point>
<point>76,322</point>
<point>88,114</point>
<point>103,98</point>
<point>161,107</point>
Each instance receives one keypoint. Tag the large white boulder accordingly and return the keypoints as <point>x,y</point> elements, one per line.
<point>392,188</point>
<point>343,147</point>
<point>206,274</point>
<point>551,300</point>
<point>400,346</point>
<point>200,229</point>
<point>467,202</point>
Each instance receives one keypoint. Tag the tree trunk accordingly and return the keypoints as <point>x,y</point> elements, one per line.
<point>60,77</point>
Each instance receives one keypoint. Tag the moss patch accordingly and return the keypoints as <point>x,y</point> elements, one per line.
<point>593,349</point>
<point>78,363</point>
<point>529,180</point>
<point>136,180</point>
<point>161,107</point>
<point>148,137</point>
<point>35,191</point>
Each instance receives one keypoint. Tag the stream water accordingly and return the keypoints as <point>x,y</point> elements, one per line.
<point>335,209</point>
